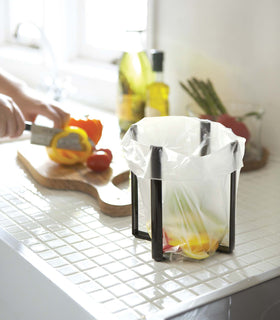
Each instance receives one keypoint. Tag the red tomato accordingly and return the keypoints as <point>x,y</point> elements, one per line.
<point>109,153</point>
<point>98,161</point>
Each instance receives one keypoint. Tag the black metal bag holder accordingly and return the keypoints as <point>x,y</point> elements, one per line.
<point>156,196</point>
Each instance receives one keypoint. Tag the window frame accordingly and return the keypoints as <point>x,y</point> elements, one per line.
<point>96,80</point>
<point>87,51</point>
<point>72,11</point>
<point>4,7</point>
<point>106,55</point>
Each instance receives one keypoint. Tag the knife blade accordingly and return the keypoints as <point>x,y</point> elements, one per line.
<point>43,136</point>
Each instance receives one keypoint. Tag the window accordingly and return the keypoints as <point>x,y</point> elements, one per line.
<point>98,26</point>
<point>105,24</point>
<point>79,35</point>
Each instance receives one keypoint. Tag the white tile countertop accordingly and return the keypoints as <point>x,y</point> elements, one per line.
<point>101,261</point>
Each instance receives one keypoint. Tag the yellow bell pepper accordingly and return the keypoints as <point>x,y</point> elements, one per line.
<point>196,246</point>
<point>70,157</point>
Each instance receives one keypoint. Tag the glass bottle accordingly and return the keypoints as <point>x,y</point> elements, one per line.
<point>157,92</point>
<point>135,73</point>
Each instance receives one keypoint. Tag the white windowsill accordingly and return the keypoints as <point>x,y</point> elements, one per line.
<point>93,83</point>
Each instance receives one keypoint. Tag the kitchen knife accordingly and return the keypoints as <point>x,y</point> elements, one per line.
<point>43,136</point>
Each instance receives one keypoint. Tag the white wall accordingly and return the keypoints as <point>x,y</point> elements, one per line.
<point>236,43</point>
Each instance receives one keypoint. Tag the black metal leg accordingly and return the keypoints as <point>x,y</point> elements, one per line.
<point>156,206</point>
<point>134,203</point>
<point>134,199</point>
<point>205,128</point>
<point>156,215</point>
<point>229,249</point>
<point>232,211</point>
<point>156,203</point>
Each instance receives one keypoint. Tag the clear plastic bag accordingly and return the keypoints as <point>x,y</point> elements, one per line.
<point>195,182</point>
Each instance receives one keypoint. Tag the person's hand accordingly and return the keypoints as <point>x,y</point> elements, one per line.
<point>11,118</point>
<point>32,105</point>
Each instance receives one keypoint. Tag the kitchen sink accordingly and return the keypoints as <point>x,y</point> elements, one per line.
<point>258,302</point>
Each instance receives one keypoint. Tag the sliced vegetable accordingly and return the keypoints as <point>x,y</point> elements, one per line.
<point>92,127</point>
<point>70,157</point>
<point>195,246</point>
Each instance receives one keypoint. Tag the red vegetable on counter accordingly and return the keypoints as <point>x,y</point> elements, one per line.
<point>238,127</point>
<point>100,160</point>
<point>109,153</point>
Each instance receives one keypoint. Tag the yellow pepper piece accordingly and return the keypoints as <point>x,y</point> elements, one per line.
<point>196,255</point>
<point>196,246</point>
<point>70,157</point>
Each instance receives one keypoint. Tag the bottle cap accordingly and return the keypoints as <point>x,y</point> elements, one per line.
<point>157,60</point>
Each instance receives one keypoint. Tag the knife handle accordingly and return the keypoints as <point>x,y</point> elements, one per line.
<point>28,126</point>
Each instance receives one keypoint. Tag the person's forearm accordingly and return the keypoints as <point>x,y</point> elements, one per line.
<point>10,85</point>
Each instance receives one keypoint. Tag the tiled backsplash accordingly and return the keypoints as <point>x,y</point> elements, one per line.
<point>99,255</point>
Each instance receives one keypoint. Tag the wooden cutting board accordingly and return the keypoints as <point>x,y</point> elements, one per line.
<point>102,186</point>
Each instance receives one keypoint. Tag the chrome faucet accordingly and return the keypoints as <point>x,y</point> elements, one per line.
<point>54,85</point>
